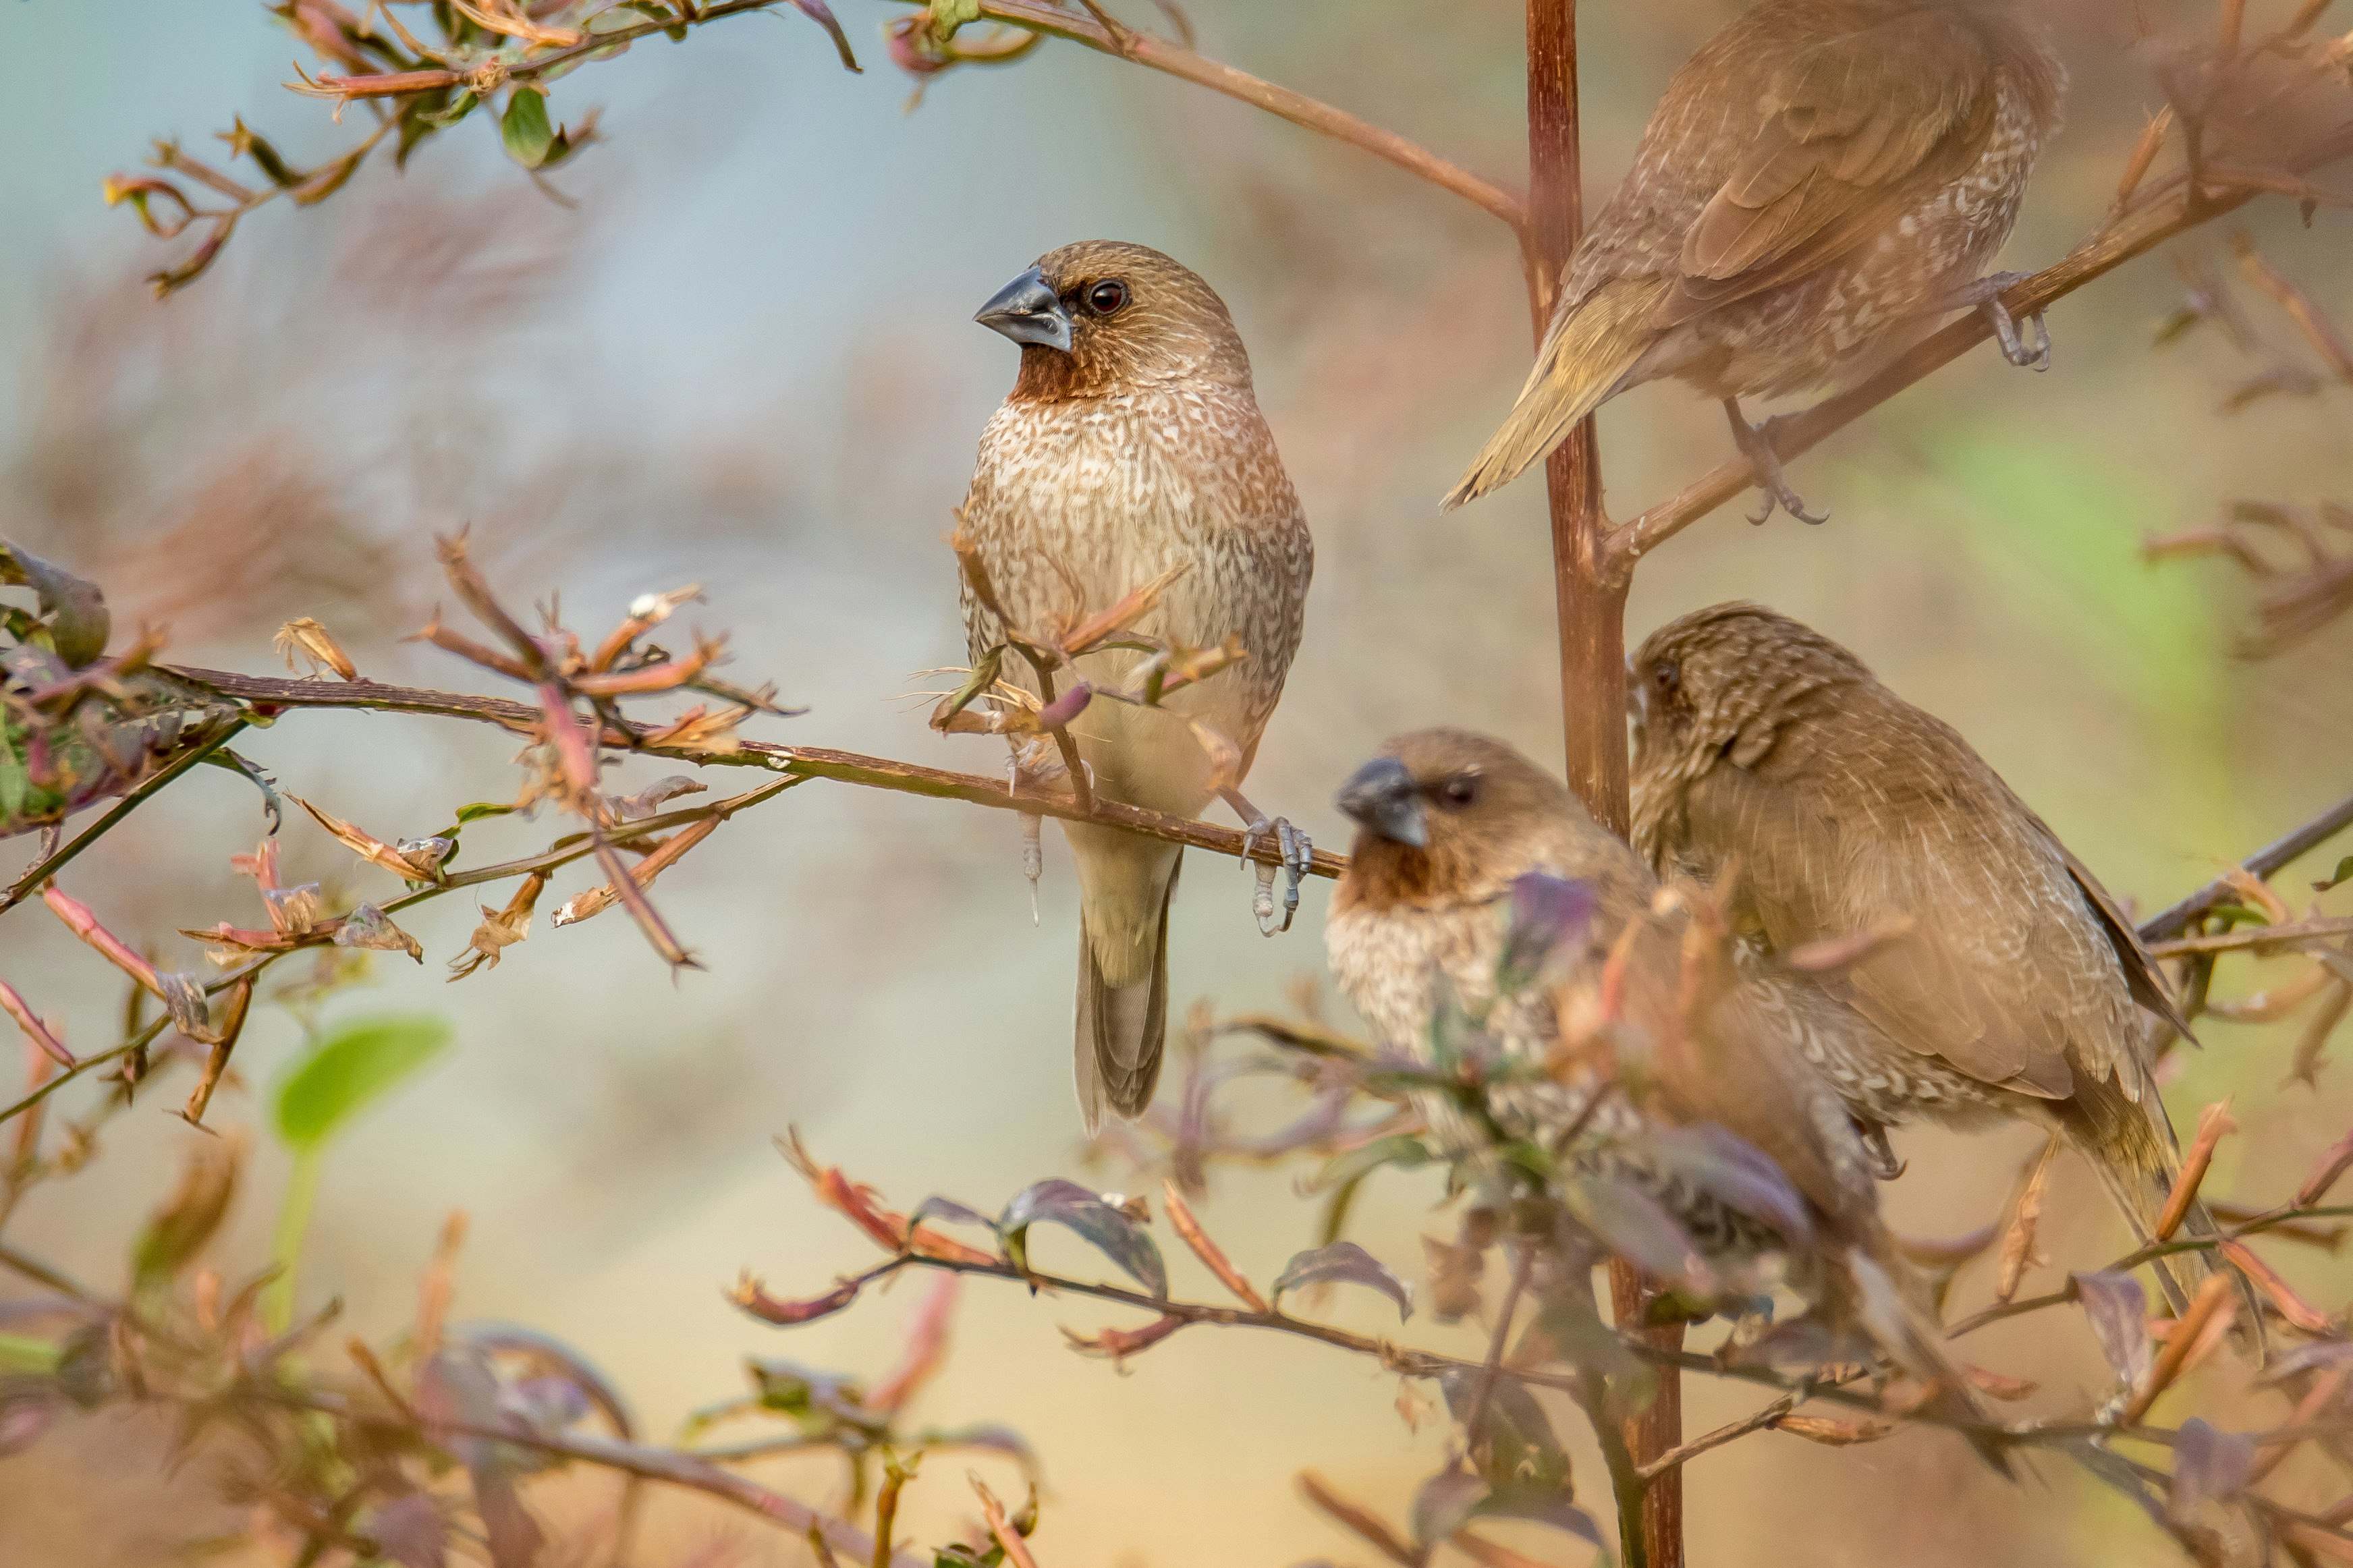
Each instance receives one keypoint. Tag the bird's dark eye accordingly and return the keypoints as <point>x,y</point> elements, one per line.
<point>1107,298</point>
<point>1665,678</point>
<point>1460,790</point>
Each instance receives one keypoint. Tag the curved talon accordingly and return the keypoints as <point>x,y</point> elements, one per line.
<point>2026,351</point>
<point>1250,831</point>
<point>1883,1161</point>
<point>1755,444</point>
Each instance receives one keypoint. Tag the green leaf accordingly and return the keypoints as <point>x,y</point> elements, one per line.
<point>75,609</point>
<point>20,1354</point>
<point>947,15</point>
<point>1402,1150</point>
<point>525,130</point>
<point>2343,873</point>
<point>350,1067</point>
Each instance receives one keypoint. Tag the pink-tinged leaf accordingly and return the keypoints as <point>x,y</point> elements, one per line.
<point>752,1297</point>
<point>1994,1385</point>
<point>16,1006</point>
<point>2213,1123</point>
<point>1735,1172</point>
<point>2299,1314</point>
<point>241,939</point>
<point>927,1344</point>
<point>1445,1504</point>
<point>2208,1467</point>
<point>2327,1354</point>
<point>818,11</point>
<point>2332,1164</point>
<point>409,1530</point>
<point>261,864</point>
<point>2118,1309</point>
<point>1833,1434</point>
<point>27,1414</point>
<point>369,847</point>
<point>575,750</point>
<point>1633,1225</point>
<point>1342,1263</point>
<point>1118,1344</point>
<point>1549,914</point>
<point>1066,707</point>
<point>84,924</point>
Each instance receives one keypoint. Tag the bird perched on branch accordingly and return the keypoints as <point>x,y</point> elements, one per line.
<point>1451,824</point>
<point>1822,180</point>
<point>1132,447</point>
<point>2009,983</point>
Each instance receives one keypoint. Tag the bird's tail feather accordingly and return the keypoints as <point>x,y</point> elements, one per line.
<point>2135,1155</point>
<point>1585,354</point>
<point>1123,1001</point>
<point>1904,1327</point>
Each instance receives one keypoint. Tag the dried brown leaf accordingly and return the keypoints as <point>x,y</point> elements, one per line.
<point>500,929</point>
<point>369,847</point>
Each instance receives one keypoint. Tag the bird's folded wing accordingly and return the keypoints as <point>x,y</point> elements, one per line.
<point>1999,974</point>
<point>1858,130</point>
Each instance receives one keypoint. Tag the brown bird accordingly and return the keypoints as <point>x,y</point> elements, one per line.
<point>1450,822</point>
<point>1131,444</point>
<point>2011,984</point>
<point>1821,181</point>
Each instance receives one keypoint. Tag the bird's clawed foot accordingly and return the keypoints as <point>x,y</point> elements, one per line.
<point>1755,444</point>
<point>2030,350</point>
<point>1884,1162</point>
<point>1298,856</point>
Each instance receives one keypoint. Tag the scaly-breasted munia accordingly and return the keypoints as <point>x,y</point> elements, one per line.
<point>1449,823</point>
<point>1821,179</point>
<point>2009,985</point>
<point>1132,444</point>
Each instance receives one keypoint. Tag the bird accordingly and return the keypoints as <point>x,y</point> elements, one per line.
<point>2009,983</point>
<point>1451,825</point>
<point>1131,446</point>
<point>1821,181</point>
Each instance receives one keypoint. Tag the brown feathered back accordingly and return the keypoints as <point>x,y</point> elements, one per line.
<point>1817,180</point>
<point>1769,757</point>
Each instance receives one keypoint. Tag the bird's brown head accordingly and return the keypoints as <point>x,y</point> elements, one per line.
<point>1722,681</point>
<point>1446,817</point>
<point>1104,317</point>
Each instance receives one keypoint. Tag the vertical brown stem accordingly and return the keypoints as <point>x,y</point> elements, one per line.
<point>1591,605</point>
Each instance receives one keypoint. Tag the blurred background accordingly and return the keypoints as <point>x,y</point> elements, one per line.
<point>732,345</point>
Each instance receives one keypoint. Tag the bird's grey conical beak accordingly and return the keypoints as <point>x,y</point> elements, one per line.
<point>1383,796</point>
<point>1027,311</point>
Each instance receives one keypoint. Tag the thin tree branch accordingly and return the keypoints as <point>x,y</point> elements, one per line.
<point>667,1466</point>
<point>2096,258</point>
<point>32,880</point>
<point>2264,863</point>
<point>571,847</point>
<point>1160,54</point>
<point>801,761</point>
<point>1678,1457</point>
